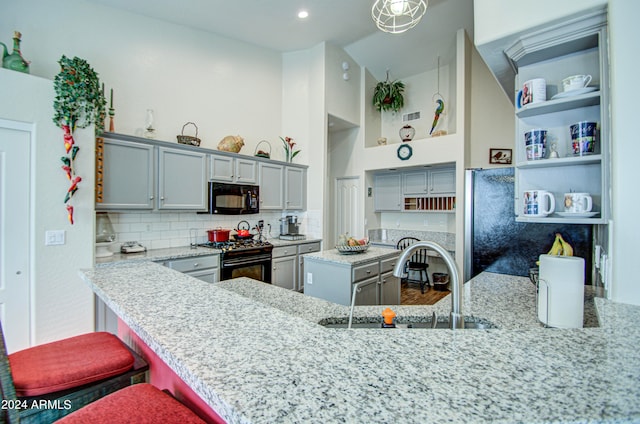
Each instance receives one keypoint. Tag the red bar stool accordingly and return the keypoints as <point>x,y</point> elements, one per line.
<point>139,404</point>
<point>54,379</point>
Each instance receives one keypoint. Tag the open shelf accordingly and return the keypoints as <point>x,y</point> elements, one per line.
<point>559,105</point>
<point>566,161</point>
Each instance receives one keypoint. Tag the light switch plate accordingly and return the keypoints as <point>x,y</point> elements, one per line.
<point>54,237</point>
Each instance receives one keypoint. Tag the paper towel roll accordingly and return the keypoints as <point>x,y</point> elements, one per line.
<point>561,291</point>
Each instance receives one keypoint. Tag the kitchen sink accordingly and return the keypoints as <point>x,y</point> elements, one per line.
<point>475,323</point>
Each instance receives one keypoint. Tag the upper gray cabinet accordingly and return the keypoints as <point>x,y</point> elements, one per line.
<point>388,192</point>
<point>295,180</point>
<point>128,171</point>
<point>271,186</point>
<point>182,179</point>
<point>235,170</point>
<point>576,47</point>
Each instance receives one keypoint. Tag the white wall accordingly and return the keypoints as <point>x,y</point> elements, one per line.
<point>492,115</point>
<point>61,304</point>
<point>224,86</point>
<point>495,19</point>
<point>343,96</point>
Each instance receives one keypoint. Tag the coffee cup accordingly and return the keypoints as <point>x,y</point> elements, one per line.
<point>577,202</point>
<point>535,144</point>
<point>538,203</point>
<point>583,137</point>
<point>575,82</point>
<point>533,91</point>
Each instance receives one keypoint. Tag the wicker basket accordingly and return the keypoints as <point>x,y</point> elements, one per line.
<point>262,153</point>
<point>187,139</point>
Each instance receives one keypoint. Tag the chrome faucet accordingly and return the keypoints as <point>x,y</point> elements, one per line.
<point>456,319</point>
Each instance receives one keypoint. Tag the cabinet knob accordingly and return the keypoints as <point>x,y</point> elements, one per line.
<point>368,271</point>
<point>195,265</point>
<point>162,198</point>
<point>151,198</point>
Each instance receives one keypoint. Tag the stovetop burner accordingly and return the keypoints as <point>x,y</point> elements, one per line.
<point>240,246</point>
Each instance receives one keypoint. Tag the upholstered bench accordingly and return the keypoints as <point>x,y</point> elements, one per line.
<point>140,403</point>
<point>51,380</point>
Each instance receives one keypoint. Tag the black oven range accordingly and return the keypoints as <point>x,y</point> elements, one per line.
<point>244,258</point>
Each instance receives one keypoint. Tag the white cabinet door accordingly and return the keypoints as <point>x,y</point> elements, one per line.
<point>181,179</point>
<point>415,183</point>
<point>295,188</point>
<point>246,171</point>
<point>284,272</point>
<point>127,175</point>
<point>271,186</point>
<point>442,181</point>
<point>387,193</point>
<point>222,168</point>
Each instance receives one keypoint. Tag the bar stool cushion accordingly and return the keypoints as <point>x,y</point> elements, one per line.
<point>68,363</point>
<point>140,403</point>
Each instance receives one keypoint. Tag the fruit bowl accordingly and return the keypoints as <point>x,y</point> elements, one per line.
<point>346,249</point>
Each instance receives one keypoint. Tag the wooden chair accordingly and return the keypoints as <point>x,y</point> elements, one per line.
<point>417,263</point>
<point>52,380</point>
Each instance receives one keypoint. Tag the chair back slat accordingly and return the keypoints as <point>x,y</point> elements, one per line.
<point>419,255</point>
<point>7,388</point>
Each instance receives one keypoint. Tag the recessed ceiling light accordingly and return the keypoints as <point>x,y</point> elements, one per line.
<point>303,14</point>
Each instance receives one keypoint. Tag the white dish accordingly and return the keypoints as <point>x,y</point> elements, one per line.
<point>575,92</point>
<point>577,215</point>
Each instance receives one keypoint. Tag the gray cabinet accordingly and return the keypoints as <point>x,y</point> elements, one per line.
<point>128,170</point>
<point>387,192</point>
<point>303,249</point>
<point>432,182</point>
<point>181,179</point>
<point>284,262</point>
<point>295,183</point>
<point>288,264</point>
<point>205,268</point>
<point>336,282</point>
<point>271,180</point>
<point>235,170</point>
<point>577,47</point>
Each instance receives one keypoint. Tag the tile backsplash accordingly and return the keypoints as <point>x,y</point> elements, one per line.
<point>158,230</point>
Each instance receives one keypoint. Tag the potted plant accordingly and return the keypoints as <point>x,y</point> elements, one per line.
<point>388,95</point>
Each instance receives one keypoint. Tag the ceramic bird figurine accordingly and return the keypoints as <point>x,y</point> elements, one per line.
<point>439,110</point>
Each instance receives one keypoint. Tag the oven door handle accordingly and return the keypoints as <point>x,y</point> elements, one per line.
<point>247,260</point>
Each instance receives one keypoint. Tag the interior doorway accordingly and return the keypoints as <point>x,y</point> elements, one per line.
<point>348,201</point>
<point>15,148</point>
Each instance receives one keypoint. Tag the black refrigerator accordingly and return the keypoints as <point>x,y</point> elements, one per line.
<point>495,242</point>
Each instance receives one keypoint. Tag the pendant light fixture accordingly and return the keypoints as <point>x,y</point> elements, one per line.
<point>397,16</point>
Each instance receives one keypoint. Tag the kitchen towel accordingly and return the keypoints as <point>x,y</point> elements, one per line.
<point>561,291</point>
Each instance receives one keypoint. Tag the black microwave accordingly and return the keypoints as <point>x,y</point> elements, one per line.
<point>233,199</point>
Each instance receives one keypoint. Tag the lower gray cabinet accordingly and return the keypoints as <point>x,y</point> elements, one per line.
<point>205,268</point>
<point>337,281</point>
<point>284,263</point>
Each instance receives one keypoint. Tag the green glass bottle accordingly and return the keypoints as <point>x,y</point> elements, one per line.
<point>14,61</point>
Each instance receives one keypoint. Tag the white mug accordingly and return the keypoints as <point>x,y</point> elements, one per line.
<point>575,82</point>
<point>538,203</point>
<point>533,91</point>
<point>577,202</point>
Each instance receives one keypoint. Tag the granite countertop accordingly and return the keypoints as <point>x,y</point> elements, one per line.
<point>372,254</point>
<point>256,354</point>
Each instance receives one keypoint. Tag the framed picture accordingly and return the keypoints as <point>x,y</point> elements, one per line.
<point>500,156</point>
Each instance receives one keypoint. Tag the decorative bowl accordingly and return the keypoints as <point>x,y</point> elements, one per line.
<point>346,250</point>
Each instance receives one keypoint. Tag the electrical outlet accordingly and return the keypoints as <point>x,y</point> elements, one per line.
<point>309,278</point>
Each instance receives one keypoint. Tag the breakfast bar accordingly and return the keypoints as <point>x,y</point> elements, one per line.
<point>257,353</point>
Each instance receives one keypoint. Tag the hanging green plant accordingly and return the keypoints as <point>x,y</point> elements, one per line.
<point>79,103</point>
<point>388,95</point>
<point>79,99</point>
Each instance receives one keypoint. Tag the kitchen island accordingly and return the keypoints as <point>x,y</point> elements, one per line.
<point>256,353</point>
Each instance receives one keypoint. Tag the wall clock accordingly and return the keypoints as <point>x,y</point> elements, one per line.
<point>404,151</point>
